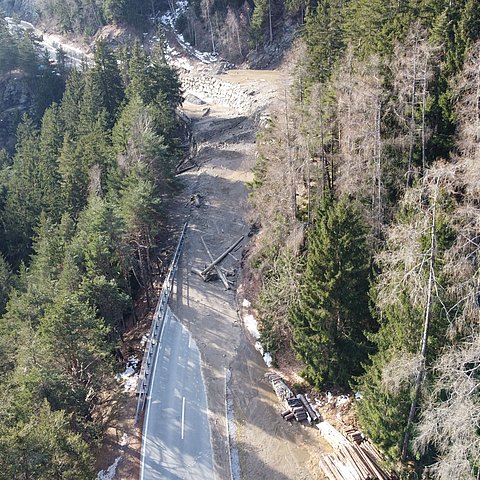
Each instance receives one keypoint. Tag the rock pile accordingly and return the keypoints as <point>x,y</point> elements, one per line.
<point>212,89</point>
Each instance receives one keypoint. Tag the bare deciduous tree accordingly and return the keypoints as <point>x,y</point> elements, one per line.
<point>413,72</point>
<point>410,267</point>
<point>360,108</point>
<point>468,114</point>
<point>206,6</point>
<point>451,415</point>
<point>274,199</point>
<point>279,292</point>
<point>400,370</point>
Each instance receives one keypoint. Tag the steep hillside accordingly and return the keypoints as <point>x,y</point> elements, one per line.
<point>29,83</point>
<point>364,188</point>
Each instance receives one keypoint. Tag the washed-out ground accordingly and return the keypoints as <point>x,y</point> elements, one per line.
<point>267,447</point>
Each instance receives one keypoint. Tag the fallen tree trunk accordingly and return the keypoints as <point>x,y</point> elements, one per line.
<point>186,169</point>
<point>220,274</point>
<point>198,272</point>
<point>222,256</point>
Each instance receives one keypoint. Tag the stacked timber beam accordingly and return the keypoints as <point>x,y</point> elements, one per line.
<point>296,406</point>
<point>352,460</point>
<point>354,435</point>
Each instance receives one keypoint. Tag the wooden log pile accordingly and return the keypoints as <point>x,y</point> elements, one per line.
<point>296,407</point>
<point>332,435</point>
<point>280,387</point>
<point>354,435</point>
<point>351,460</point>
<point>312,414</point>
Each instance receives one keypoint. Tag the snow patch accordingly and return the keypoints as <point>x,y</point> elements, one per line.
<point>109,474</point>
<point>246,303</point>
<point>267,358</point>
<point>252,326</point>
<point>51,43</point>
<point>342,400</point>
<point>129,378</point>
<point>169,20</point>
<point>124,440</point>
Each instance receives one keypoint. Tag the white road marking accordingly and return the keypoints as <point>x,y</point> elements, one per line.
<point>183,417</point>
<point>147,398</point>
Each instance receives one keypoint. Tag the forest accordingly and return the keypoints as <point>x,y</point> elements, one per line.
<point>368,251</point>
<point>84,17</point>
<point>81,202</point>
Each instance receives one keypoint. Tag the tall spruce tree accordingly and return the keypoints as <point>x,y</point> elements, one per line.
<point>51,139</point>
<point>332,313</point>
<point>72,102</point>
<point>106,81</point>
<point>24,198</point>
<point>324,37</point>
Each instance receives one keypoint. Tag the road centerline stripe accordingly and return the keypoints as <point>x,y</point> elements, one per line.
<point>183,418</point>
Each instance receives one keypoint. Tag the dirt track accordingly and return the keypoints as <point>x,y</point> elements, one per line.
<point>269,448</point>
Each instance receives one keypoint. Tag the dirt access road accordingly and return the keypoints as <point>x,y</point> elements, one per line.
<point>268,447</point>
<point>265,446</point>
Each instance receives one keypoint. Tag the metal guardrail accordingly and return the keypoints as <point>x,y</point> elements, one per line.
<point>144,379</point>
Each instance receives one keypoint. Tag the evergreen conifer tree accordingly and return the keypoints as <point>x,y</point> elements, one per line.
<point>42,446</point>
<point>71,103</point>
<point>75,178</point>
<point>24,200</point>
<point>332,312</point>
<point>106,81</point>
<point>51,139</point>
<point>324,37</point>
<point>138,81</point>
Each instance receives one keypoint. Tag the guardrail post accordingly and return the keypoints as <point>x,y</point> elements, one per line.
<point>158,319</point>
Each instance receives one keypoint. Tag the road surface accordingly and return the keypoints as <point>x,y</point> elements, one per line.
<point>176,432</point>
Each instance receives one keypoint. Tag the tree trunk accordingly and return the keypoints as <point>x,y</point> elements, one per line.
<point>412,116</point>
<point>424,108</point>
<point>378,203</point>
<point>270,19</point>
<point>149,261</point>
<point>428,308</point>
<point>143,275</point>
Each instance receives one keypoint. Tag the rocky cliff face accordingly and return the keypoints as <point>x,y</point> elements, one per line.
<point>16,99</point>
